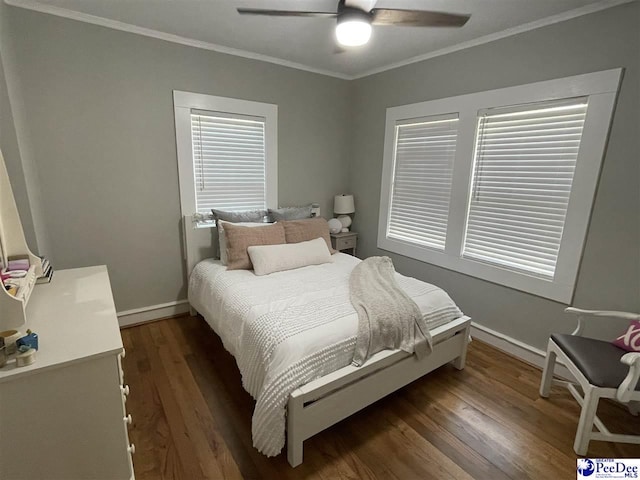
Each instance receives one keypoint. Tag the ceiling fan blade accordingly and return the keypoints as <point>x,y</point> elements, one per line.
<point>417,18</point>
<point>285,13</point>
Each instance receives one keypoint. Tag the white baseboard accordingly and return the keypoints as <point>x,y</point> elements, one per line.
<point>516,348</point>
<point>153,312</point>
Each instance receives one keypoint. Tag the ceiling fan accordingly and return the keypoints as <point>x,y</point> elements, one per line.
<point>354,23</point>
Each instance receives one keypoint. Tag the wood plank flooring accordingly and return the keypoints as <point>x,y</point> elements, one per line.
<point>192,419</point>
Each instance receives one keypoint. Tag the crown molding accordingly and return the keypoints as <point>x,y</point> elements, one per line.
<point>168,37</point>
<point>509,32</point>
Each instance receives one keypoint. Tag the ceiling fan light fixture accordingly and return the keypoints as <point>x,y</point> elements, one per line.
<point>354,29</point>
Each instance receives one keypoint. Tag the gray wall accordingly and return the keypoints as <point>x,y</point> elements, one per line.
<point>610,272</point>
<point>9,143</point>
<point>98,107</point>
<point>100,112</point>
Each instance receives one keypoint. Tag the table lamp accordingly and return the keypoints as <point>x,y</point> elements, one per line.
<point>343,205</point>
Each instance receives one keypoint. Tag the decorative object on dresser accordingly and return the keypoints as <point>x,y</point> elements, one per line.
<point>47,271</point>
<point>64,415</point>
<point>345,241</point>
<point>344,205</point>
<point>19,266</point>
<point>10,339</point>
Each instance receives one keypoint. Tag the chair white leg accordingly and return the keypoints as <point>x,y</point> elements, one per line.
<point>585,424</point>
<point>547,373</point>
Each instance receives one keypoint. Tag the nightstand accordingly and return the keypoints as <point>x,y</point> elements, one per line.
<point>344,241</point>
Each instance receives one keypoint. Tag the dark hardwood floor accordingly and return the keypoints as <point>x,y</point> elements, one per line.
<point>192,419</point>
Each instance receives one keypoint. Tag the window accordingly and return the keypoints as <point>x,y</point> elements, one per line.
<point>499,184</point>
<point>425,149</point>
<point>227,153</point>
<point>523,170</point>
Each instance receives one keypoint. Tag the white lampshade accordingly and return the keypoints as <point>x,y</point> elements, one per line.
<point>343,204</point>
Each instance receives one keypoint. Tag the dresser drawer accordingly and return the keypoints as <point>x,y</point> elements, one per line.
<point>345,242</point>
<point>82,425</point>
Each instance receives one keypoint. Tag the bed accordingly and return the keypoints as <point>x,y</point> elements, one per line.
<point>293,333</point>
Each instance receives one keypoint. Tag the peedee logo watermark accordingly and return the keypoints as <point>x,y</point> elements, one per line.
<point>610,468</point>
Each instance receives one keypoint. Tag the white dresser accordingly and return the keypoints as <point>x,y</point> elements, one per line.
<point>64,417</point>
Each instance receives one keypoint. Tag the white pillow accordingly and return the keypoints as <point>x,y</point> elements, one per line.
<point>276,258</point>
<point>222,237</point>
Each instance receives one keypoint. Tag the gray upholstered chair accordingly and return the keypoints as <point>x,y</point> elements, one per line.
<point>601,369</point>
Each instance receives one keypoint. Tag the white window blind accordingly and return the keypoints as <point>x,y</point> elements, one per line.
<point>228,161</point>
<point>523,170</point>
<point>424,153</point>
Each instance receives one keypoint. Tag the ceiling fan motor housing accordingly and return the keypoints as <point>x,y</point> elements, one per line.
<point>349,14</point>
<point>353,27</point>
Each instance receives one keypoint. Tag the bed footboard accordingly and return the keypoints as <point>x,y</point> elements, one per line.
<point>324,402</point>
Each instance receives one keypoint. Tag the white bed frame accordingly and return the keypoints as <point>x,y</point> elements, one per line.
<point>327,400</point>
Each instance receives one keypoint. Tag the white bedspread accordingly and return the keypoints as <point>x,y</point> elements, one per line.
<point>289,328</point>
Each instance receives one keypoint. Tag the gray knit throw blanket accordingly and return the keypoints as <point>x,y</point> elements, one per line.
<point>387,317</point>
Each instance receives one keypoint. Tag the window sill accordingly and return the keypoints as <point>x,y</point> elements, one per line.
<point>555,290</point>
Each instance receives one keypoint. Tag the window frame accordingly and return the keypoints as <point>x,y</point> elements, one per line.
<point>601,88</point>
<point>184,103</point>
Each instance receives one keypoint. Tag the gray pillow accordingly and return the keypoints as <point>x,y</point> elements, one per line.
<point>290,213</point>
<point>243,216</point>
<point>253,216</point>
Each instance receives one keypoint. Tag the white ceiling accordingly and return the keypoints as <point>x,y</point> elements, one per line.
<point>309,42</point>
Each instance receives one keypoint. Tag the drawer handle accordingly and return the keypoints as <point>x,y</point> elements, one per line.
<point>123,353</point>
<point>128,419</point>
<point>132,449</point>
<point>125,390</point>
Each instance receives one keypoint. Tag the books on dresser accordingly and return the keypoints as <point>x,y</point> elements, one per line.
<point>47,271</point>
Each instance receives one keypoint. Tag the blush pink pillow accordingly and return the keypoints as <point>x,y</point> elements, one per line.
<point>630,340</point>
